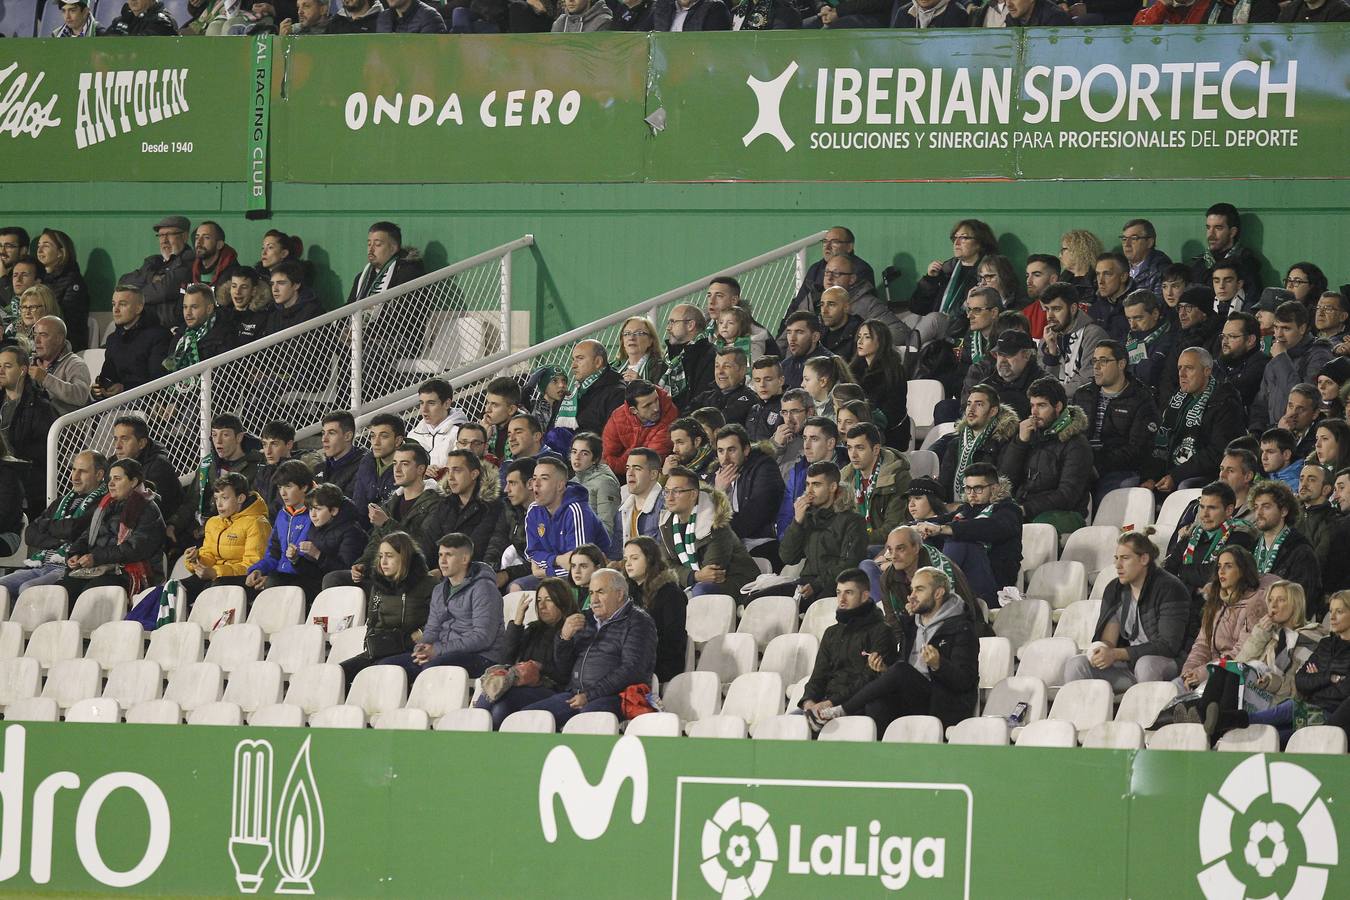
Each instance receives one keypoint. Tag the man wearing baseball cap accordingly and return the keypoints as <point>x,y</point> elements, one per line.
<point>163,275</point>
<point>76,21</point>
<point>1015,368</point>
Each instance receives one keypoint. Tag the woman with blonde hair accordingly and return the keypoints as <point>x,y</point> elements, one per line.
<point>35,303</point>
<point>641,353</point>
<point>1078,252</point>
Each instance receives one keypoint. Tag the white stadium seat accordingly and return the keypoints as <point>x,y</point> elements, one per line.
<point>1078,621</point>
<point>1093,546</point>
<point>692,696</point>
<point>1179,736</point>
<point>850,728</point>
<point>33,709</point>
<point>438,690</point>
<point>754,696</point>
<point>1143,701</point>
<point>767,617</point>
<point>44,603</point>
<point>73,680</point>
<point>819,616</point>
<point>276,608</point>
<point>1175,505</point>
<point>278,715</point>
<point>1085,703</point>
<point>115,642</point>
<point>1022,621</point>
<point>224,604</point>
<point>346,644</point>
<point>1125,506</point>
<point>233,646</point>
<point>530,721</point>
<point>20,679</point>
<point>468,719</point>
<point>1059,584</point>
<point>403,720</point>
<point>792,656</point>
<point>54,641</point>
<point>1045,658</point>
<point>1009,692</point>
<point>378,689</point>
<point>134,681</point>
<point>709,615</point>
<point>342,716</point>
<point>254,685</point>
<point>176,644</point>
<point>295,647</point>
<point>1114,736</point>
<point>721,726</point>
<point>1040,545</point>
<point>218,713</point>
<point>659,724</point>
<point>1047,733</point>
<point>335,604</point>
<point>194,685</point>
<point>782,728</point>
<point>11,640</point>
<point>914,730</point>
<point>1252,739</point>
<point>593,723</point>
<point>154,712</point>
<point>98,606</point>
<point>729,656</point>
<point>1318,739</point>
<point>986,731</point>
<point>95,709</point>
<point>316,687</point>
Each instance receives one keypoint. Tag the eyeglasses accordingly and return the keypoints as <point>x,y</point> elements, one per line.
<point>637,334</point>
<point>1297,281</point>
<point>837,274</point>
<point>988,277</point>
<point>972,310</point>
<point>976,488</point>
<point>1103,361</point>
<point>28,307</point>
<point>1132,238</point>
<point>962,238</point>
<point>671,490</point>
<point>1327,309</point>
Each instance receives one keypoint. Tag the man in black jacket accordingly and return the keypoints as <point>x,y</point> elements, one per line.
<point>1141,630</point>
<point>689,356</point>
<point>838,241</point>
<point>1199,328</point>
<point>751,480</point>
<point>1122,419</point>
<point>202,335</point>
<point>470,506</point>
<point>1015,368</point>
<point>728,394</point>
<point>356,17</point>
<point>142,18</point>
<point>938,669</point>
<point>131,440</point>
<point>984,535</point>
<point>1197,423</point>
<point>1223,230</point>
<point>981,434</point>
<point>27,414</point>
<point>690,15</point>
<point>135,350</point>
<point>630,15</point>
<point>1280,548</point>
<point>1241,362</point>
<point>49,535</point>
<point>597,390</point>
<point>341,457</point>
<point>765,416</point>
<point>162,276</point>
<point>1050,460</point>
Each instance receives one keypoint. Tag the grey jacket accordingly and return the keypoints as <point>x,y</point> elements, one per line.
<point>602,490</point>
<point>466,617</point>
<point>1072,367</point>
<point>1164,609</point>
<point>1298,364</point>
<point>604,661</point>
<point>67,382</point>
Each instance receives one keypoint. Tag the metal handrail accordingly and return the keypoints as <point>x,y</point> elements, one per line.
<point>203,368</point>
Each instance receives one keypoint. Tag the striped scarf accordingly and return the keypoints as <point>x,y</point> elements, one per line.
<point>683,537</point>
<point>70,506</point>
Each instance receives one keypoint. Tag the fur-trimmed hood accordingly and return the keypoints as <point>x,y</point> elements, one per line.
<point>1078,424</point>
<point>712,511</point>
<point>1005,424</point>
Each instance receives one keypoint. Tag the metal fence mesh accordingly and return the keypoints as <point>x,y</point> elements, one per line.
<point>444,325</point>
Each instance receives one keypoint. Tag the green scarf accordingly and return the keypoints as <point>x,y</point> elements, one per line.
<point>683,536</point>
<point>741,343</point>
<point>1138,347</point>
<point>641,368</point>
<point>1191,410</point>
<point>962,280</point>
<point>567,410</point>
<point>1210,259</point>
<point>1061,423</point>
<point>971,442</point>
<point>1218,539</point>
<point>1242,11</point>
<point>70,506</point>
<point>1265,557</point>
<point>676,380</point>
<point>978,348</point>
<point>185,351</point>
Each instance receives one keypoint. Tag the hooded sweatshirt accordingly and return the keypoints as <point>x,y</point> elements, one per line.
<point>924,632</point>
<point>467,617</point>
<point>595,17</point>
<point>548,535</point>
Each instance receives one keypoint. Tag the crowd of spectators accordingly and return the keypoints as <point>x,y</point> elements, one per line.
<point>655,471</point>
<point>322,17</point>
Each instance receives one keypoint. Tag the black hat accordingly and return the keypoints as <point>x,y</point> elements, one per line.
<point>1338,369</point>
<point>924,487</point>
<point>1198,296</point>
<point>1271,298</point>
<point>1013,341</point>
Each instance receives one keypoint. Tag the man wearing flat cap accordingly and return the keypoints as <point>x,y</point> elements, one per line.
<point>163,275</point>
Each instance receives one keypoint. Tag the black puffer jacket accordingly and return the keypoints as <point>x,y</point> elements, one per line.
<point>955,682</point>
<point>1222,421</point>
<point>841,664</point>
<point>1126,437</point>
<point>1331,657</point>
<point>606,660</point>
<point>27,433</point>
<point>160,473</point>
<point>72,295</point>
<point>1052,472</point>
<point>1001,530</point>
<point>508,531</point>
<point>400,608</point>
<point>759,493</point>
<point>155,21</point>
<point>339,543</point>
<point>535,641</point>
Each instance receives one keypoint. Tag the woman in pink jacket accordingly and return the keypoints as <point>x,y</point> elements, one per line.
<point>1235,600</point>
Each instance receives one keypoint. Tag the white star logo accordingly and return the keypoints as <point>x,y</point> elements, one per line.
<point>770,97</point>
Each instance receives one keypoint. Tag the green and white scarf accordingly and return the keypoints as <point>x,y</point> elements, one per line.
<point>567,410</point>
<point>1218,539</point>
<point>683,536</point>
<point>1242,11</point>
<point>862,492</point>
<point>1191,417</point>
<point>167,604</point>
<point>978,348</point>
<point>641,368</point>
<point>1138,347</point>
<point>1265,556</point>
<point>1062,422</point>
<point>676,380</point>
<point>185,352</point>
<point>70,506</point>
<point>962,280</point>
<point>971,442</point>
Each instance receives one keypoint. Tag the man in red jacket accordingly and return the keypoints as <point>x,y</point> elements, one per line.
<point>642,421</point>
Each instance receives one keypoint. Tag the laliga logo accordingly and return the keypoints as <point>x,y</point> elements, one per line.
<point>770,97</point>
<point>1264,848</point>
<point>297,841</point>
<point>589,808</point>
<point>743,816</point>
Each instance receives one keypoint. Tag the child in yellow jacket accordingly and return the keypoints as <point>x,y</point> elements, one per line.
<point>236,537</point>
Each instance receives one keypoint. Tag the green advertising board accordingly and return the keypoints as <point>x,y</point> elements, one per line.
<point>199,811</point>
<point>124,109</point>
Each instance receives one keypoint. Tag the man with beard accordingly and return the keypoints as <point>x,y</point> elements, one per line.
<point>1302,411</point>
<point>981,434</point>
<point>1223,230</point>
<point>356,17</point>
<point>801,339</point>
<point>840,323</point>
<point>1050,460</point>
<point>215,259</point>
<point>689,356</point>
<point>1336,576</point>
<point>1015,368</point>
<point>690,447</point>
<point>1195,548</point>
<point>1280,549</point>
<point>1070,338</point>
<point>1241,362</point>
<point>984,535</point>
<point>795,408</point>
<point>1317,516</point>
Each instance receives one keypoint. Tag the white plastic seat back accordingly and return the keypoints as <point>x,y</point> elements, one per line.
<point>218,713</point>
<point>467,719</point>
<point>346,644</point>
<point>278,715</point>
<point>754,696</point>
<point>336,605</point>
<point>1125,506</point>
<point>1059,583</point>
<point>134,681</point>
<point>914,730</point>
<point>403,720</point>
<point>54,641</point>
<point>729,656</point>
<point>44,603</point>
<point>1114,736</point>
<point>1100,583</point>
<point>692,695</point>
<point>792,656</point>
<point>937,433</point>
<point>438,690</point>
<point>1044,658</point>
<point>176,644</point>
<point>849,728</point>
<point>996,660</point>
<point>923,463</point>
<point>276,608</point>
<point>1040,545</point>
<point>721,726</point>
<point>1009,692</point>
<point>98,606</point>
<point>73,680</point>
<point>1078,621</point>
<point>11,640</point>
<point>155,712</point>
<point>511,603</point>
<point>982,730</point>
<point>593,723</point>
<point>1093,546</point>
<point>33,709</point>
<point>234,646</point>
<point>1252,739</point>
<point>254,685</point>
<point>1085,703</point>
<point>782,728</point>
<point>709,615</point>
<point>115,642</point>
<point>20,679</point>
<point>1175,505</point>
<point>657,724</point>
<point>1179,736</point>
<point>1143,701</point>
<point>1048,733</point>
<point>530,721</point>
<point>819,616</point>
<point>378,689</point>
<point>343,716</point>
<point>768,617</point>
<point>1022,621</point>
<point>1318,739</point>
<point>95,709</point>
<point>295,647</point>
<point>224,604</point>
<point>194,685</point>
<point>316,687</point>
<point>921,396</point>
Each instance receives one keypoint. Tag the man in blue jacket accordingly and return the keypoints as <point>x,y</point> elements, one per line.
<point>608,647</point>
<point>559,521</point>
<point>464,623</point>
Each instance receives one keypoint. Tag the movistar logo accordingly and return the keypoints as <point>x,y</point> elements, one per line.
<point>770,97</point>
<point>589,808</point>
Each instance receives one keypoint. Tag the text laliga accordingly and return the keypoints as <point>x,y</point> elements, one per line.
<point>509,113</point>
<point>891,859</point>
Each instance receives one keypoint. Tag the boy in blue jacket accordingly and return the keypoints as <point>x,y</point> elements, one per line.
<point>559,521</point>
<point>277,567</point>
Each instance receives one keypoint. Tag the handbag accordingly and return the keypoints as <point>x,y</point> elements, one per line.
<point>636,700</point>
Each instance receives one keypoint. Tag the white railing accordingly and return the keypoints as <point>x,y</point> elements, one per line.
<point>357,357</point>
<point>768,283</point>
